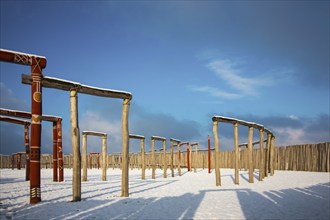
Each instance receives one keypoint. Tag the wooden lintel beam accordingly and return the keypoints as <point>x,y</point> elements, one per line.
<point>94,133</point>
<point>21,58</point>
<point>22,114</point>
<point>135,136</point>
<point>158,138</point>
<point>14,120</point>
<point>50,82</point>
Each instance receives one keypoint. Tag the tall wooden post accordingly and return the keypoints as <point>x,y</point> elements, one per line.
<point>179,160</point>
<point>75,134</point>
<point>172,157</point>
<point>153,159</point>
<point>250,154</point>
<point>188,157</point>
<point>272,155</point>
<point>55,176</point>
<point>236,153</point>
<point>164,161</point>
<point>269,136</point>
<point>36,111</point>
<point>209,153</point>
<point>18,161</point>
<point>195,159</point>
<point>261,163</point>
<point>84,157</point>
<point>12,161</point>
<point>143,161</point>
<point>104,158</point>
<point>27,151</point>
<point>125,149</point>
<point>216,159</point>
<point>60,152</point>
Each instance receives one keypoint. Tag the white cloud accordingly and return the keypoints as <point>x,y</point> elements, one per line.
<point>215,92</point>
<point>226,70</point>
<point>93,121</point>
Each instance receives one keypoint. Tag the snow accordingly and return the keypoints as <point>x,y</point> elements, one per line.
<point>287,194</point>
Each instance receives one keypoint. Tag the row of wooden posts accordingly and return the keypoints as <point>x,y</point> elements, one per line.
<point>307,157</point>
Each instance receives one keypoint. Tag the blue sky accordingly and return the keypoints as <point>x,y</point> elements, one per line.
<point>183,61</point>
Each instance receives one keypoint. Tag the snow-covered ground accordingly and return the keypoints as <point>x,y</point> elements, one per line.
<point>291,195</point>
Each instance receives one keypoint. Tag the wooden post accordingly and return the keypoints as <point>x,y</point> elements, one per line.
<point>143,161</point>
<point>188,157</point>
<point>27,151</point>
<point>269,136</point>
<point>250,154</point>
<point>217,162</point>
<point>272,155</point>
<point>261,163</point>
<point>195,156</point>
<point>18,161</point>
<point>125,149</point>
<point>104,158</point>
<point>36,111</point>
<point>209,153</point>
<point>55,176</point>
<point>153,159</point>
<point>172,165</point>
<point>179,160</point>
<point>60,152</point>
<point>76,175</point>
<point>84,157</point>
<point>164,161</point>
<point>236,153</point>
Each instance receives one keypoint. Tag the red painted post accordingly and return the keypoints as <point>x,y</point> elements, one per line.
<point>27,151</point>
<point>55,177</point>
<point>36,111</point>
<point>188,157</point>
<point>209,153</point>
<point>60,152</point>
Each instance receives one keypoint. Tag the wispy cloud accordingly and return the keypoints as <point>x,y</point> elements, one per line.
<point>227,70</point>
<point>215,92</point>
<point>231,73</point>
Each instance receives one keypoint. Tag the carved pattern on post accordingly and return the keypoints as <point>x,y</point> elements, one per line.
<point>60,152</point>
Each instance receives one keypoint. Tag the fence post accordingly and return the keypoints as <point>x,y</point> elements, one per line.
<point>153,159</point>
<point>164,161</point>
<point>143,159</point>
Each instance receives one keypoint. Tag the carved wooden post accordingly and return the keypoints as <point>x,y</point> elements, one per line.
<point>153,159</point>
<point>236,153</point>
<point>60,152</point>
<point>125,148</point>
<point>209,153</point>
<point>84,157</point>
<point>76,175</point>
<point>27,151</point>
<point>250,154</point>
<point>272,155</point>
<point>261,163</point>
<point>216,145</point>
<point>104,158</point>
<point>36,111</point>
<point>55,176</point>
<point>164,161</point>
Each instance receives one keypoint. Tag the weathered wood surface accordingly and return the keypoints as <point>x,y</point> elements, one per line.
<point>55,83</point>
